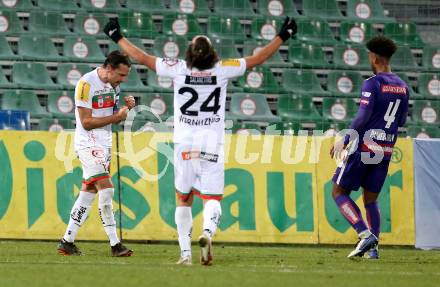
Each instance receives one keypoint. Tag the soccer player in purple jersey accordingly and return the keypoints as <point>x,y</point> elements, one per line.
<point>383,109</point>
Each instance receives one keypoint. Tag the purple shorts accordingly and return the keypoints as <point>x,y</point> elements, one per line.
<point>354,174</point>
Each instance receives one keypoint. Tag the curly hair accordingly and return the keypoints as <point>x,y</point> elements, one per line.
<point>382,46</point>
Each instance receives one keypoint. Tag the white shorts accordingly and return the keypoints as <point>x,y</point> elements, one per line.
<point>199,172</point>
<point>95,163</point>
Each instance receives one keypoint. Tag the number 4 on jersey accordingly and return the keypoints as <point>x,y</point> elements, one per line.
<point>390,115</point>
<point>205,107</point>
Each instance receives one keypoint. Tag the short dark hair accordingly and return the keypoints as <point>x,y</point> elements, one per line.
<point>201,54</point>
<point>382,46</point>
<point>115,58</point>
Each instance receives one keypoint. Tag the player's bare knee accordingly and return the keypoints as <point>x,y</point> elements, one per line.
<point>339,190</point>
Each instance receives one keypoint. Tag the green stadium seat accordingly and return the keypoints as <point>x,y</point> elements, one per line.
<point>260,80</point>
<point>4,83</point>
<point>32,76</point>
<point>339,110</point>
<point>82,49</point>
<point>426,112</point>
<point>287,128</point>
<point>184,25</point>
<point>250,47</point>
<point>315,31</point>
<point>159,83</point>
<point>10,24</point>
<point>251,107</point>
<point>160,104</point>
<point>32,47</point>
<point>325,9</point>
<point>18,6</point>
<point>279,8</point>
<point>194,7</point>
<point>429,86</point>
<point>300,108</point>
<point>5,50</point>
<point>137,25</point>
<point>170,47</point>
<point>412,92</point>
<point>265,29</point>
<point>404,34</point>
<point>90,24</point>
<point>367,11</point>
<point>102,6</point>
<point>150,6</point>
<point>356,32</point>
<point>225,48</point>
<point>332,128</point>
<point>244,128</point>
<point>141,125</point>
<point>69,74</point>
<point>307,56</point>
<point>226,28</point>
<point>344,84</point>
<point>431,58</point>
<point>351,57</point>
<point>303,82</point>
<point>61,6</point>
<point>55,125</point>
<point>23,100</point>
<point>233,8</point>
<point>134,83</point>
<point>403,59</point>
<point>112,46</point>
<point>422,132</point>
<point>61,104</point>
<point>45,22</point>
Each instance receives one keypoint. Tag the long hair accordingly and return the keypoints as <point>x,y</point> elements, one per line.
<point>201,54</point>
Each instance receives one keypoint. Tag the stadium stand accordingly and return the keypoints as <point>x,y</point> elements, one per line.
<point>55,125</point>
<point>14,120</point>
<point>338,110</point>
<point>251,107</point>
<point>46,45</point>
<point>61,104</point>
<point>24,100</point>
<point>160,104</point>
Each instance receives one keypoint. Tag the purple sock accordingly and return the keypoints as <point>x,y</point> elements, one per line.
<point>351,212</point>
<point>373,217</point>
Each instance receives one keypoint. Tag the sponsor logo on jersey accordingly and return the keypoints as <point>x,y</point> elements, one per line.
<point>393,89</point>
<point>210,80</point>
<point>188,155</point>
<point>170,61</point>
<point>82,91</point>
<point>103,101</point>
<point>366,94</point>
<point>365,102</point>
<point>231,63</point>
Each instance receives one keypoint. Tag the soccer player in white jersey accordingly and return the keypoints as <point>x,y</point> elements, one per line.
<point>200,83</point>
<point>96,101</point>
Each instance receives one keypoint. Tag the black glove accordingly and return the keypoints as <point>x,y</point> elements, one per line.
<point>113,30</point>
<point>288,29</point>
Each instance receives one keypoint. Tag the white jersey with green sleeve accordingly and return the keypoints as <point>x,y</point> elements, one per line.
<point>102,99</point>
<point>199,98</point>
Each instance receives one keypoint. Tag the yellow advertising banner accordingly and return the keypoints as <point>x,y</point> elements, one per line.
<point>277,190</point>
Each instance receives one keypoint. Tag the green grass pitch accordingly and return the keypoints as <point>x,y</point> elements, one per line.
<point>33,264</point>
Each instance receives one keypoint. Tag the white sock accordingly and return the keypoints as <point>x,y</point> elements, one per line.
<point>78,214</point>
<point>211,217</point>
<point>107,215</point>
<point>183,218</point>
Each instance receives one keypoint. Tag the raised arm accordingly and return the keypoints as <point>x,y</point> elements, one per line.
<point>286,32</point>
<point>113,30</point>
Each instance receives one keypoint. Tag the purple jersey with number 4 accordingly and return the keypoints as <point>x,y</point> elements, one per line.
<point>383,109</point>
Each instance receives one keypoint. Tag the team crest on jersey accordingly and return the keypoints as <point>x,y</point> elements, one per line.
<point>231,63</point>
<point>170,61</point>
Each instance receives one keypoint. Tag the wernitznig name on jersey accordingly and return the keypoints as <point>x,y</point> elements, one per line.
<point>199,122</point>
